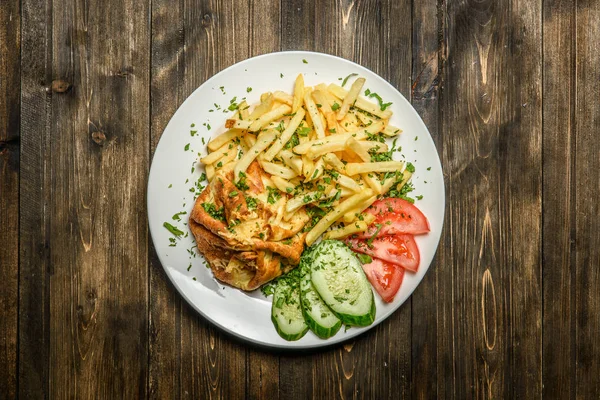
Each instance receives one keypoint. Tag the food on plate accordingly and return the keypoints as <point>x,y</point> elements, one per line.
<point>286,171</point>
<point>398,249</point>
<point>309,169</point>
<point>396,216</point>
<point>385,277</point>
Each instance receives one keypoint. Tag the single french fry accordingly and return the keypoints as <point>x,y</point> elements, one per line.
<point>268,117</point>
<point>355,227</point>
<point>266,103</point>
<point>226,159</point>
<point>348,182</point>
<point>286,135</point>
<point>291,160</point>
<point>263,141</point>
<point>223,138</point>
<point>325,108</point>
<point>284,98</point>
<point>352,214</point>
<point>317,151</point>
<point>391,131</point>
<point>383,166</point>
<point>340,137</point>
<point>334,161</point>
<point>350,98</point>
<point>317,171</point>
<point>335,214</point>
<point>313,111</point>
<point>282,184</point>
<point>278,170</point>
<point>298,93</point>
<point>307,166</point>
<point>220,152</point>
<point>373,182</point>
<point>243,110</point>
<point>250,139</point>
<point>360,151</point>
<point>210,172</point>
<point>238,124</point>
<point>360,103</point>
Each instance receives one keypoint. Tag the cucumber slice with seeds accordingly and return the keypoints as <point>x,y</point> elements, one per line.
<point>286,311</point>
<point>319,318</point>
<point>338,277</point>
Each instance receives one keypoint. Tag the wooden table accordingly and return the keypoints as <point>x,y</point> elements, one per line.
<point>509,90</point>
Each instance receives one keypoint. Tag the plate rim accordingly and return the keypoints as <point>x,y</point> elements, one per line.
<point>294,345</point>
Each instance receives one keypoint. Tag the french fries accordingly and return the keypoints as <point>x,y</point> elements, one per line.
<point>366,167</point>
<point>355,227</point>
<point>350,98</point>
<point>262,142</point>
<point>286,135</point>
<point>313,111</point>
<point>335,214</point>
<point>315,146</point>
<point>223,138</point>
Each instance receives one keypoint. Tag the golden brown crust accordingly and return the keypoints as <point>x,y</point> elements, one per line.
<point>251,246</point>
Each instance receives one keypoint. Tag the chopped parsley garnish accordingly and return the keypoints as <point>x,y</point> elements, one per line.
<point>248,89</point>
<point>410,167</point>
<point>187,147</point>
<point>364,259</point>
<point>222,89</point>
<point>170,185</point>
<point>293,142</point>
<point>280,127</point>
<point>212,210</point>
<point>273,196</point>
<point>348,77</point>
<point>304,61</point>
<point>250,202</point>
<point>192,133</point>
<point>280,75</point>
<point>176,217</point>
<point>173,229</point>
<point>335,106</point>
<point>241,183</point>
<point>303,131</point>
<point>370,241</point>
<point>233,194</point>
<point>419,197</point>
<point>382,105</point>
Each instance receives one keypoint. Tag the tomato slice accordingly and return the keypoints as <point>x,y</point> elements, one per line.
<point>385,277</point>
<point>400,249</point>
<point>396,216</point>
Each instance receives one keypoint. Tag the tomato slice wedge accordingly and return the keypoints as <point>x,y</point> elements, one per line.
<point>396,216</point>
<point>400,249</point>
<point>385,277</point>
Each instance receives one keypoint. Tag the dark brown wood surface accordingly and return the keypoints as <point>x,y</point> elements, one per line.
<point>509,90</point>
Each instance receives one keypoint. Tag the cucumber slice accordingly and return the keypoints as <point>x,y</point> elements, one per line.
<point>319,318</point>
<point>338,277</point>
<point>286,311</point>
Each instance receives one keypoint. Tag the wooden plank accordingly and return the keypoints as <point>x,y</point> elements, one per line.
<point>10,47</point>
<point>427,62</point>
<point>587,188</point>
<point>377,364</point>
<point>558,165</point>
<point>489,315</point>
<point>34,196</point>
<point>98,244</point>
<point>185,54</point>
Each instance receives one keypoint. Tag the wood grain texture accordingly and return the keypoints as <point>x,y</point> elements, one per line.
<point>191,41</point>
<point>558,217</point>
<point>10,47</point>
<point>93,330</point>
<point>428,59</point>
<point>490,335</point>
<point>34,200</point>
<point>587,210</point>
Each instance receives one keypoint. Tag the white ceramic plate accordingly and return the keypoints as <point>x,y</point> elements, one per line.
<point>248,315</point>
